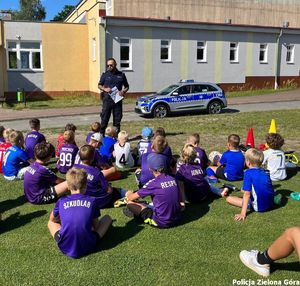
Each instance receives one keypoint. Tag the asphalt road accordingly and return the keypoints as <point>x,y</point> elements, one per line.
<point>61,121</point>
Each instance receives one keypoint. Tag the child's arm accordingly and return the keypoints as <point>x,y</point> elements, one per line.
<point>243,213</point>
<point>54,219</point>
<point>59,180</point>
<point>131,196</point>
<point>182,194</point>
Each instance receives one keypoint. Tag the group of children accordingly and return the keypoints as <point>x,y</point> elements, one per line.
<point>170,183</point>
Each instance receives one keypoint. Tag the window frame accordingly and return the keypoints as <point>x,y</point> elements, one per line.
<point>204,48</point>
<point>236,51</point>
<point>292,54</point>
<point>18,50</point>
<point>265,51</point>
<point>129,61</point>
<point>169,47</point>
<point>94,50</point>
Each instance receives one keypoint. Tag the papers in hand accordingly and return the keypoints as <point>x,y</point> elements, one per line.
<point>115,95</point>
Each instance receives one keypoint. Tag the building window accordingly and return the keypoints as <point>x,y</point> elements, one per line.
<point>233,55</point>
<point>165,50</point>
<point>201,51</point>
<point>125,53</point>
<point>290,50</point>
<point>24,55</point>
<point>263,53</point>
<point>94,47</point>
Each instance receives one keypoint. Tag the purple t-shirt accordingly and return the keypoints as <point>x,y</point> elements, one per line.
<point>88,137</point>
<point>98,161</point>
<point>166,199</point>
<point>201,158</point>
<point>32,138</point>
<point>96,185</point>
<point>195,185</point>
<point>67,154</point>
<point>146,174</point>
<point>76,213</point>
<point>37,179</point>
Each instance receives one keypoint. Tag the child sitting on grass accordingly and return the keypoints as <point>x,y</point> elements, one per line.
<point>231,165</point>
<point>95,128</point>
<point>74,223</point>
<point>108,142</point>
<point>97,185</point>
<point>60,138</point>
<point>191,178</point>
<point>274,158</point>
<point>144,143</point>
<point>33,137</point>
<point>122,151</point>
<point>163,189</point>
<point>4,145</point>
<point>67,153</point>
<point>16,160</point>
<point>201,158</point>
<point>257,187</point>
<point>41,185</point>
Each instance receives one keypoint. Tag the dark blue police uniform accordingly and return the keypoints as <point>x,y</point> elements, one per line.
<point>112,79</point>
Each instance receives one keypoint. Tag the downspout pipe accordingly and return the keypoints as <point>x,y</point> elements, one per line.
<point>278,59</point>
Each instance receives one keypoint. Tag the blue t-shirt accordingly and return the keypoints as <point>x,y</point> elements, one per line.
<point>76,213</point>
<point>107,147</point>
<point>258,182</point>
<point>13,159</point>
<point>233,162</point>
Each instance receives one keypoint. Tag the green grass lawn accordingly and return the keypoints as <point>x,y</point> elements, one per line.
<point>202,250</point>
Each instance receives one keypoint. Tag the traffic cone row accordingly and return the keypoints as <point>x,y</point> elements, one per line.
<point>250,136</point>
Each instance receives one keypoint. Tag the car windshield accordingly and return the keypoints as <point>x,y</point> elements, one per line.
<point>167,90</point>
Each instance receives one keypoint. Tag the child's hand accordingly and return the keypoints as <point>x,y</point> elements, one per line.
<point>182,206</point>
<point>239,217</point>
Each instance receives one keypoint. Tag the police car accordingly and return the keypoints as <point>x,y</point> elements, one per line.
<point>185,96</point>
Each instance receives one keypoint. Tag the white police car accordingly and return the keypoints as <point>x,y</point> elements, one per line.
<point>185,96</point>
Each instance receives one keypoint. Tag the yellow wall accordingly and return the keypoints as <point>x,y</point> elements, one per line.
<point>65,56</point>
<point>90,8</point>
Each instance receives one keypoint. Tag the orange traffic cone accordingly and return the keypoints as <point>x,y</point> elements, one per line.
<point>250,138</point>
<point>273,128</point>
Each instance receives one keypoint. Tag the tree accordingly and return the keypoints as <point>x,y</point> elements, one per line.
<point>62,15</point>
<point>31,10</point>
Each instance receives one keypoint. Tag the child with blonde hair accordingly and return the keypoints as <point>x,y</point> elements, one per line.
<point>192,179</point>
<point>257,187</point>
<point>67,153</point>
<point>74,222</point>
<point>16,160</point>
<point>122,151</point>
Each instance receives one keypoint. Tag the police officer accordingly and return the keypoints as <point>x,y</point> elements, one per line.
<point>110,79</point>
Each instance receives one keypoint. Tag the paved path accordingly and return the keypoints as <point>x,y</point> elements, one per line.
<point>85,115</point>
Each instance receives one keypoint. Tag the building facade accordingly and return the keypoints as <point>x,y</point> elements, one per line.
<point>153,49</point>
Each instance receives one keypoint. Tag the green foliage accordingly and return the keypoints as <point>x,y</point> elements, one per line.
<point>202,250</point>
<point>62,15</point>
<point>31,10</point>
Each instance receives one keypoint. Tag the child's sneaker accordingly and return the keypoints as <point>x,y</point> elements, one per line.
<point>128,212</point>
<point>249,258</point>
<point>121,202</point>
<point>231,187</point>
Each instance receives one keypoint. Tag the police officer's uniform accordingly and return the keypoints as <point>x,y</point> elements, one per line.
<point>112,79</point>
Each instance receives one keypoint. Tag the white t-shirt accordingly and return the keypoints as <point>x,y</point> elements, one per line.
<point>274,161</point>
<point>123,156</point>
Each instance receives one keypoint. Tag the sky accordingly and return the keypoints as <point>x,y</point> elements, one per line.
<point>52,7</point>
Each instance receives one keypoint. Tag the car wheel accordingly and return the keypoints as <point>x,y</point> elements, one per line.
<point>160,111</point>
<point>214,107</point>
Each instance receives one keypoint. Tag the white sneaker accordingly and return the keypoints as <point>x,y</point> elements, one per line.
<point>249,258</point>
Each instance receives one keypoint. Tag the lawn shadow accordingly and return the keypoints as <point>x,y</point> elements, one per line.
<point>285,194</point>
<point>16,220</point>
<point>291,172</point>
<point>117,234</point>
<point>290,266</point>
<point>230,110</point>
<point>194,212</point>
<point>10,204</point>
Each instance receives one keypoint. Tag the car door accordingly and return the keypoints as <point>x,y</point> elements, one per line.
<point>199,92</point>
<point>182,98</point>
